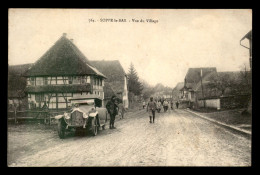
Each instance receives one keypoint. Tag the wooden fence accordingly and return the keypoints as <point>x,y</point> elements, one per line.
<point>46,116</point>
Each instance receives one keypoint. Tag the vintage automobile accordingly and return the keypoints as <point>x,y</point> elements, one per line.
<point>85,114</point>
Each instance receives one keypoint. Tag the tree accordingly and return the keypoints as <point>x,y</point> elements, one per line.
<point>220,82</point>
<point>147,91</point>
<point>134,85</point>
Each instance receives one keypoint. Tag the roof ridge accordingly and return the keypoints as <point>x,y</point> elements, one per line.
<point>59,58</point>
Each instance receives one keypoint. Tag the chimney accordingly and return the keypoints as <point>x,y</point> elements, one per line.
<point>64,34</point>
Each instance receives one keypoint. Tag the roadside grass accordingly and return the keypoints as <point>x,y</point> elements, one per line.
<point>231,117</point>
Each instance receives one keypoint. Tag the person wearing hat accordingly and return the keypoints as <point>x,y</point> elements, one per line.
<point>151,107</point>
<point>112,110</point>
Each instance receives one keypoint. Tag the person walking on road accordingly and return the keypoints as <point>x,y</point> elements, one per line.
<point>159,106</point>
<point>151,107</point>
<point>165,105</point>
<point>171,104</point>
<point>143,104</point>
<point>121,110</point>
<point>177,104</point>
<point>112,110</point>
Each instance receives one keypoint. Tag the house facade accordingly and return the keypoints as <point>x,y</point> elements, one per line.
<point>116,80</point>
<point>198,91</point>
<point>194,85</point>
<point>176,95</point>
<point>62,73</point>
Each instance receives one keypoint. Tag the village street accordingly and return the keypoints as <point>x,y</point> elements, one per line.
<point>177,138</point>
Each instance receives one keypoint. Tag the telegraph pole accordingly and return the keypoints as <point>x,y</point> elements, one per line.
<point>202,88</point>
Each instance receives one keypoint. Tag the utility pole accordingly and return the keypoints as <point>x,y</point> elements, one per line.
<point>202,88</point>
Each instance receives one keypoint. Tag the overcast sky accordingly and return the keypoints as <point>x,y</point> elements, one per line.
<point>161,52</point>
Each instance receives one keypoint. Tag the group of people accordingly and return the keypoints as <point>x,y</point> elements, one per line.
<point>163,104</point>
<point>152,106</point>
<point>113,107</point>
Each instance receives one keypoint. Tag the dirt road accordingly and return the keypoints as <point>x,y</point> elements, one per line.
<point>177,138</point>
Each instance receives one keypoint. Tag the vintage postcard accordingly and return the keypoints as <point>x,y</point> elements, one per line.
<point>129,87</point>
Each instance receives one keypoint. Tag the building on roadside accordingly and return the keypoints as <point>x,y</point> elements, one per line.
<point>116,80</point>
<point>190,91</point>
<point>61,73</point>
<point>197,90</point>
<point>176,91</point>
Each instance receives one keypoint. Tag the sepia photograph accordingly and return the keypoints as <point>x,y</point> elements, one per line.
<point>129,87</point>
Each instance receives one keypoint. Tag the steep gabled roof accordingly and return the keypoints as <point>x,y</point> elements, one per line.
<point>114,72</point>
<point>205,80</point>
<point>179,86</point>
<point>112,69</point>
<point>63,58</point>
<point>108,91</point>
<point>193,75</point>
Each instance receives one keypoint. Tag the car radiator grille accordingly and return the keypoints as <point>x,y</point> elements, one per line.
<point>77,119</point>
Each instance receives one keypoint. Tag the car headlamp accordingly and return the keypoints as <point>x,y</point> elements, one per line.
<point>67,115</point>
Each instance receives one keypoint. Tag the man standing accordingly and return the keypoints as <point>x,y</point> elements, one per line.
<point>165,105</point>
<point>112,110</point>
<point>159,105</point>
<point>143,104</point>
<point>177,104</point>
<point>171,105</point>
<point>151,107</point>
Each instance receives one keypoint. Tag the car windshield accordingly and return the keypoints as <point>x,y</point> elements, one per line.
<point>89,102</point>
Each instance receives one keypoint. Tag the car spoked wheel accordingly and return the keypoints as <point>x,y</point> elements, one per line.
<point>94,126</point>
<point>61,129</point>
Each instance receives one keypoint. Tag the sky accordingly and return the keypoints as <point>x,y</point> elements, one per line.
<point>161,51</point>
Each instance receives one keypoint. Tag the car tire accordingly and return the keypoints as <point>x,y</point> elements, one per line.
<point>61,129</point>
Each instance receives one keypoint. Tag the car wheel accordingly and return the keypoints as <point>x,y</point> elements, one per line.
<point>61,129</point>
<point>94,126</point>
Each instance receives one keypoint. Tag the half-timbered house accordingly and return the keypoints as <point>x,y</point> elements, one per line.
<point>62,73</point>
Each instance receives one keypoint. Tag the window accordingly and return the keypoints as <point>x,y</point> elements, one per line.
<point>65,80</point>
<point>39,81</point>
<point>83,80</point>
<point>52,80</point>
<point>39,97</point>
<point>70,80</point>
<point>88,79</point>
<point>76,80</point>
<point>31,81</point>
<point>45,80</point>
<point>62,80</point>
